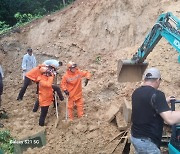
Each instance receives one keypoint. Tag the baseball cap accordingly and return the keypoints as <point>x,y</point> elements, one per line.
<point>152,73</point>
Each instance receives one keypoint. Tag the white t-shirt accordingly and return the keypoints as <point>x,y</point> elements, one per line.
<point>28,62</point>
<point>51,62</point>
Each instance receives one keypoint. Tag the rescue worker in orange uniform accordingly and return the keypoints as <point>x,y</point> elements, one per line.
<point>32,75</point>
<point>71,84</point>
<point>45,81</point>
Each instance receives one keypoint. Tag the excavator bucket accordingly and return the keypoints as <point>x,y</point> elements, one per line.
<point>128,71</point>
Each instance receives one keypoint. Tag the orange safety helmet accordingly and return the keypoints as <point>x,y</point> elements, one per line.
<point>71,65</point>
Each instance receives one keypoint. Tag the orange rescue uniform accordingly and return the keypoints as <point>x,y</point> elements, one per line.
<point>71,82</point>
<point>34,73</point>
<point>45,90</point>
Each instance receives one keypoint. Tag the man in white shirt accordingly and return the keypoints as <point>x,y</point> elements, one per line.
<point>53,62</point>
<point>28,62</point>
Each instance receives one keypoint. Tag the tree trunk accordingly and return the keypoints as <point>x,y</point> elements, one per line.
<point>64,2</point>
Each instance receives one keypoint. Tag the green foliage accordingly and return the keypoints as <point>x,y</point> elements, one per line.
<point>6,142</point>
<point>8,8</point>
<point>4,27</point>
<point>24,18</point>
<point>69,1</point>
<point>19,12</point>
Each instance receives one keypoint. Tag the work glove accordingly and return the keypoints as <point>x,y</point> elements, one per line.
<point>60,63</point>
<point>61,99</point>
<point>66,92</point>
<point>61,96</point>
<point>86,82</point>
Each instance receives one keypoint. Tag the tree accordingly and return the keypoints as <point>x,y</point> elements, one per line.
<point>8,8</point>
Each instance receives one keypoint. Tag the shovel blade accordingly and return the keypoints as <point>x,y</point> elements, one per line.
<point>56,122</point>
<point>66,124</point>
<point>128,71</point>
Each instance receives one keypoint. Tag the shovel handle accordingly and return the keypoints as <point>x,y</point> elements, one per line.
<point>55,97</point>
<point>66,108</point>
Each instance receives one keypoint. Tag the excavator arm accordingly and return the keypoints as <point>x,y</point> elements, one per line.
<point>168,27</point>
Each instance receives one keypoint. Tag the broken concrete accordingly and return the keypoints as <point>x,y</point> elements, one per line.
<point>110,114</point>
<point>121,123</point>
<point>127,110</point>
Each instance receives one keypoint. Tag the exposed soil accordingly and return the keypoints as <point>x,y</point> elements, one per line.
<point>95,34</point>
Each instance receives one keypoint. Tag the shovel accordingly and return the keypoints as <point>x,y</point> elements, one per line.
<point>56,103</point>
<point>66,122</point>
<point>57,112</point>
<point>66,109</point>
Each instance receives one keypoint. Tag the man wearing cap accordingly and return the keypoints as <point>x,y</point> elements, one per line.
<point>149,111</point>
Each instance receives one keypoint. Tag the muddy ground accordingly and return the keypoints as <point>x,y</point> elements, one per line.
<point>94,34</point>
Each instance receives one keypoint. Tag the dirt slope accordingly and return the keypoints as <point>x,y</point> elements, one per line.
<point>95,34</point>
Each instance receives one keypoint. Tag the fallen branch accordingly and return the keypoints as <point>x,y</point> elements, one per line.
<point>124,136</point>
<point>121,133</point>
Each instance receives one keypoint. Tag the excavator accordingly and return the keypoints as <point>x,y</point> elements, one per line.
<point>174,144</point>
<point>166,26</point>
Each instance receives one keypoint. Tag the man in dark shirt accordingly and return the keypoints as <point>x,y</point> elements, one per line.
<point>149,111</point>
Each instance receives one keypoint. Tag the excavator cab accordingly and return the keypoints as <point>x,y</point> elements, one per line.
<point>128,71</point>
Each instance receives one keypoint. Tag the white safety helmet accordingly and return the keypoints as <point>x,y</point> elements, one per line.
<point>71,64</point>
